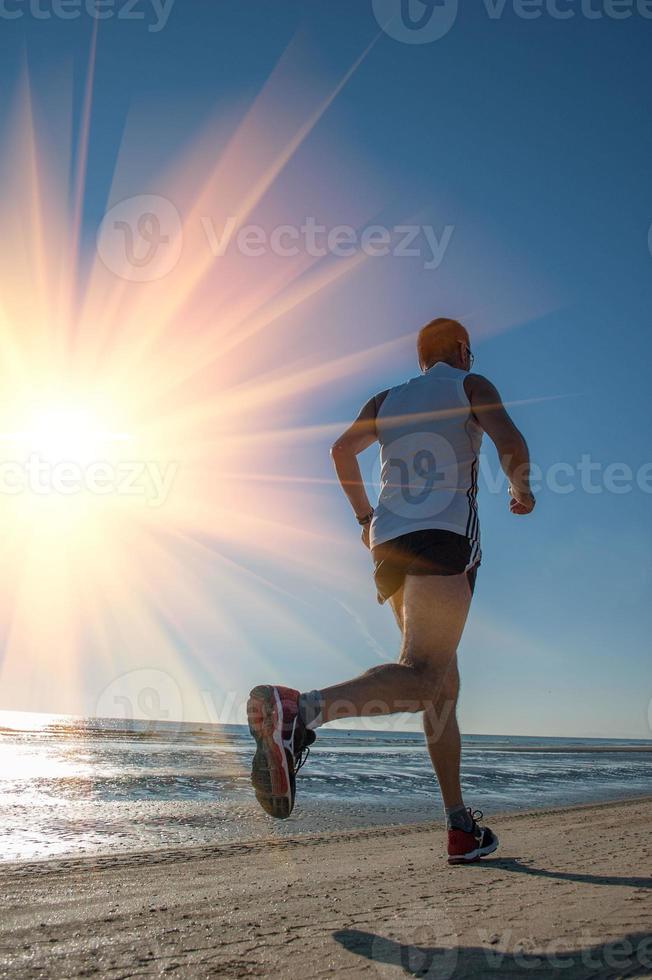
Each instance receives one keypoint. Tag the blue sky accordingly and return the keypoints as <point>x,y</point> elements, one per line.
<point>531,139</point>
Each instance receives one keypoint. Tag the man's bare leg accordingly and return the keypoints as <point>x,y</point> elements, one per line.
<point>432,611</point>
<point>441,728</point>
<point>444,741</point>
<point>396,605</point>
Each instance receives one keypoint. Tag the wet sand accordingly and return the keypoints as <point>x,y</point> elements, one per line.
<point>568,893</point>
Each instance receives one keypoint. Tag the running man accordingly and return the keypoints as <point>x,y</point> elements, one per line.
<point>425,542</point>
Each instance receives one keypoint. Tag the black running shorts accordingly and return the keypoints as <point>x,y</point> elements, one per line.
<point>433,552</point>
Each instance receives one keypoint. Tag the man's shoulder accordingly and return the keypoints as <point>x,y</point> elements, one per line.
<point>370,409</point>
<point>402,386</point>
<point>373,405</point>
<point>380,397</point>
<point>478,385</point>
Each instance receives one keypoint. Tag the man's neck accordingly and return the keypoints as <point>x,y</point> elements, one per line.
<point>440,361</point>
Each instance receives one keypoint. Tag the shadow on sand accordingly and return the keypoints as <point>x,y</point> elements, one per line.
<point>514,864</point>
<point>629,956</point>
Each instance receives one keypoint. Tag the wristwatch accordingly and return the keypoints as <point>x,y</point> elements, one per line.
<point>363,521</point>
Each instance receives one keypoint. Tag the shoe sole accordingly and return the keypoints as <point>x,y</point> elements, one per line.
<point>270,775</point>
<point>475,855</point>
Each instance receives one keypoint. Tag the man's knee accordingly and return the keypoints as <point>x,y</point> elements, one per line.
<point>438,679</point>
<point>440,703</point>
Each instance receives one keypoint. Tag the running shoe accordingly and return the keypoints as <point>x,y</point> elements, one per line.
<point>282,746</point>
<point>465,846</point>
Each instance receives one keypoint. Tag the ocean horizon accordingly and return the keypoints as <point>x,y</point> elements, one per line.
<point>79,786</point>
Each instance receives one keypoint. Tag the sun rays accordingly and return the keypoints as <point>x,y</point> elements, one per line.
<point>199,370</point>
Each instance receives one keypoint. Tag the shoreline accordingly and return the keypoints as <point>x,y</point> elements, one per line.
<point>566,749</point>
<point>380,902</point>
<point>82,727</point>
<point>169,854</point>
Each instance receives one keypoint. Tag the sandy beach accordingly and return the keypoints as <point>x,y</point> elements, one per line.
<point>568,892</point>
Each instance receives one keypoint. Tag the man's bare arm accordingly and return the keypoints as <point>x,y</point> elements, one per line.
<point>513,452</point>
<point>345,450</point>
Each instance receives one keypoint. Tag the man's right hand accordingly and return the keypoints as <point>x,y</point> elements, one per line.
<point>521,502</point>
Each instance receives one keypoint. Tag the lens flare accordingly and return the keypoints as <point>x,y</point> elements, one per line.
<point>149,406</point>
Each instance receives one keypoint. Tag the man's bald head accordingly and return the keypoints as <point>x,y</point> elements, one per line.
<point>442,340</point>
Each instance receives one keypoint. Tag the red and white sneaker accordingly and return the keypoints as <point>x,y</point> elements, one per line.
<point>282,746</point>
<point>465,846</point>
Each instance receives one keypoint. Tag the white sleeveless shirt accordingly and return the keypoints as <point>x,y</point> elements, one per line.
<point>429,447</point>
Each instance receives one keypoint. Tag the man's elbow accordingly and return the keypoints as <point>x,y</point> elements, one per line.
<point>340,449</point>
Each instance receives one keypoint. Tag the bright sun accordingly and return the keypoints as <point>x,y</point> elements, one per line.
<point>68,433</point>
<point>67,459</point>
<point>152,462</point>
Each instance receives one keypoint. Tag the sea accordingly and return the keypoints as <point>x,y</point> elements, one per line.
<point>88,786</point>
